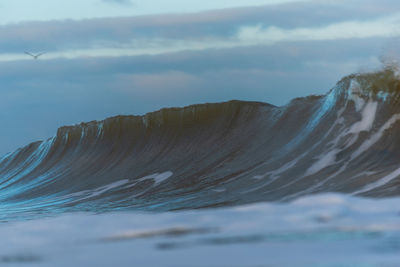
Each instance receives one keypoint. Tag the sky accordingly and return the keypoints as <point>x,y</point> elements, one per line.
<point>110,57</point>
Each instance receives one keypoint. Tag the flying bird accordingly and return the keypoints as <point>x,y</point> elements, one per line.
<point>33,55</point>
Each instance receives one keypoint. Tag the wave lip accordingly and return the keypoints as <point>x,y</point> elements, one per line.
<point>214,155</point>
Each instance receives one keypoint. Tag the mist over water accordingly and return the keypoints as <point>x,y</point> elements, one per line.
<point>324,230</point>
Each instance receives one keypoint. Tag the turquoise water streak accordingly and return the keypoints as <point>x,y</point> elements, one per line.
<point>326,104</point>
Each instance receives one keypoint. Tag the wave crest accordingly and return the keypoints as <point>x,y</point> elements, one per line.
<point>216,154</point>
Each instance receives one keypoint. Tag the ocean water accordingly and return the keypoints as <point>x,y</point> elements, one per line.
<point>312,183</point>
<point>320,230</point>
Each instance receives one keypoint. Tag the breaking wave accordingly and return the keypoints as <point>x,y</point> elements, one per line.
<point>214,155</point>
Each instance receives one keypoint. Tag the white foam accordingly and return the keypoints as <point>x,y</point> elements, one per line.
<point>275,173</point>
<point>157,177</point>
<point>368,117</point>
<point>375,137</point>
<point>314,188</point>
<point>83,132</point>
<point>325,161</point>
<point>354,95</point>
<point>162,177</point>
<point>329,229</point>
<point>330,157</point>
<point>100,127</point>
<point>219,190</point>
<point>97,191</point>
<point>382,181</point>
<point>145,121</point>
<point>105,188</point>
<point>284,168</point>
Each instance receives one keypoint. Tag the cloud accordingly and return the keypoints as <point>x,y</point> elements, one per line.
<point>120,2</point>
<point>46,10</point>
<point>384,27</point>
<point>221,29</point>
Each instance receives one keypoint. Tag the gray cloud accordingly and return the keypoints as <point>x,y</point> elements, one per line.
<point>137,32</point>
<point>121,2</point>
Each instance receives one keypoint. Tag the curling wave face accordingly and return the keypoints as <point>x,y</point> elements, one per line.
<point>214,155</point>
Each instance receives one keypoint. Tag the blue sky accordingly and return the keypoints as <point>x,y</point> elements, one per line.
<point>111,57</point>
<point>44,10</point>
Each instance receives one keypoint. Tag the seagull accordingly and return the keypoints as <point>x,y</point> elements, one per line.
<point>33,55</point>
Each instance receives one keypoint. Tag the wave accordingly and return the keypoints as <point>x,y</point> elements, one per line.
<point>212,155</point>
